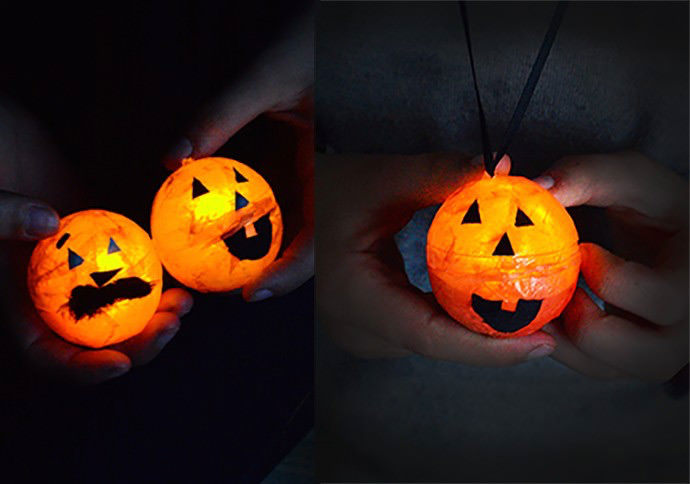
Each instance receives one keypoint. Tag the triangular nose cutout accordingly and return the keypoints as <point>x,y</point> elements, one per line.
<point>504,247</point>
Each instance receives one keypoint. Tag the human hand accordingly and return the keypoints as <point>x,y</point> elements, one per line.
<point>277,85</point>
<point>364,299</point>
<point>66,361</point>
<point>29,164</point>
<point>643,330</point>
<point>25,218</point>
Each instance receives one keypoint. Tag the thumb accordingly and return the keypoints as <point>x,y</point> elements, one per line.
<point>293,269</point>
<point>24,218</point>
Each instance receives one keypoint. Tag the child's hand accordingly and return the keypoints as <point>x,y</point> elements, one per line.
<point>644,330</point>
<point>363,297</point>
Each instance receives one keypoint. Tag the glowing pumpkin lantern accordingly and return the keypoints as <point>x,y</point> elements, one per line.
<point>98,280</point>
<point>216,224</point>
<point>503,257</point>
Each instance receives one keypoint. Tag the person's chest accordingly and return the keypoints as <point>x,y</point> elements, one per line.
<point>396,78</point>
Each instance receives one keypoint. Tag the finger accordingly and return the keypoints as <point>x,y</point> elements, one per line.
<point>401,315</point>
<point>627,179</point>
<point>63,360</point>
<point>293,269</point>
<point>296,265</point>
<point>569,355</point>
<point>648,353</point>
<point>652,294</point>
<point>145,346</point>
<point>25,218</point>
<point>275,82</point>
<point>177,301</point>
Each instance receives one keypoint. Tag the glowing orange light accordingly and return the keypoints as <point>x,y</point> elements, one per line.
<point>216,224</point>
<point>503,257</point>
<point>98,280</point>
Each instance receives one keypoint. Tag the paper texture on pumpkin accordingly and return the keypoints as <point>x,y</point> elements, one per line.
<point>216,224</point>
<point>93,235</point>
<point>516,216</point>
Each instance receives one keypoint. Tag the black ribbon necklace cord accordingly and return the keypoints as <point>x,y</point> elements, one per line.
<point>491,161</point>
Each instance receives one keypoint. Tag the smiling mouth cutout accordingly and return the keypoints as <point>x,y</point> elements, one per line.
<point>252,247</point>
<point>88,300</point>
<point>503,320</point>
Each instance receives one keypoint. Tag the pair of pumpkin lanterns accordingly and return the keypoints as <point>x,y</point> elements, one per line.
<point>502,253</point>
<point>215,226</point>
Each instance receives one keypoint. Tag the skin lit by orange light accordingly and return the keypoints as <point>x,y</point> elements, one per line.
<point>461,260</point>
<point>88,234</point>
<point>190,230</point>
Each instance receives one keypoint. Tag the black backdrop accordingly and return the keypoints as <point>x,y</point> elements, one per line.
<point>231,393</point>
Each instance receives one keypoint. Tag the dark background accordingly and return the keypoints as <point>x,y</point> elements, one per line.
<point>232,392</point>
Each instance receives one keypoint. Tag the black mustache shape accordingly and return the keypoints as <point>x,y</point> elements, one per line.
<point>252,248</point>
<point>89,300</point>
<point>503,320</point>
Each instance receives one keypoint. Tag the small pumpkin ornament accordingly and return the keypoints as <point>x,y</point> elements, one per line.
<point>502,255</point>
<point>98,280</point>
<point>216,224</point>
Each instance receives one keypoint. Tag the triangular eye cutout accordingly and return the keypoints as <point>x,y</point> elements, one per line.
<point>73,259</point>
<point>239,177</point>
<point>198,188</point>
<point>240,201</point>
<point>472,215</point>
<point>112,246</point>
<point>521,219</point>
<point>504,247</point>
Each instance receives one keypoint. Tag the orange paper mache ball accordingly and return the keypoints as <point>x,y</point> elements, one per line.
<point>98,280</point>
<point>503,257</point>
<point>216,224</point>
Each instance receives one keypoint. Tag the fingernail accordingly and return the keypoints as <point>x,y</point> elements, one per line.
<point>260,295</point>
<point>117,370</point>
<point>544,181</point>
<point>40,222</point>
<point>186,306</point>
<point>166,335</point>
<point>540,352</point>
<point>182,149</point>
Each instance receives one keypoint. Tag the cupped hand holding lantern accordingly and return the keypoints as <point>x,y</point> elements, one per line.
<point>364,298</point>
<point>278,86</point>
<point>27,150</point>
<point>97,283</point>
<point>643,330</point>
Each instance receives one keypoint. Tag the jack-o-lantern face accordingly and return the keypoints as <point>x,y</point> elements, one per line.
<point>216,224</point>
<point>502,256</point>
<point>98,280</point>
